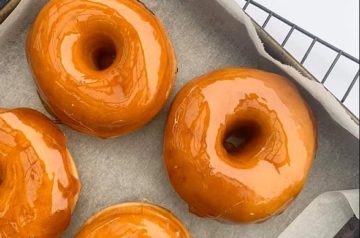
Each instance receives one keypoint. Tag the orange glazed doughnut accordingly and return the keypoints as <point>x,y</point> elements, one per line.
<point>39,184</point>
<point>140,220</point>
<point>239,144</point>
<point>103,67</point>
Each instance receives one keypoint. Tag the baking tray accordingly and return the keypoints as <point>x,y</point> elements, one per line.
<point>130,168</point>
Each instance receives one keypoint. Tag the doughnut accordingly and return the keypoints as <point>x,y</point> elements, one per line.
<point>134,220</point>
<point>39,184</point>
<point>239,144</point>
<point>104,68</point>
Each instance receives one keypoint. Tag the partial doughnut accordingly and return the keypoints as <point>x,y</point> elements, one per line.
<point>134,220</point>
<point>39,184</point>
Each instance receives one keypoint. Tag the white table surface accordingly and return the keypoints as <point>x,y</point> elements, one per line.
<point>336,22</point>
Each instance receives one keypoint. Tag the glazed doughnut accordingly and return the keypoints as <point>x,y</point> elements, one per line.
<point>134,220</point>
<point>104,68</point>
<point>39,184</point>
<point>239,144</point>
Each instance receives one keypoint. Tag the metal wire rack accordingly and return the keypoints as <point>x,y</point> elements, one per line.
<point>315,40</point>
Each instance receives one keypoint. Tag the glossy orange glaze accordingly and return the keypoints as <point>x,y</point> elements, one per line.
<point>140,220</point>
<point>103,67</point>
<point>267,172</point>
<point>38,180</point>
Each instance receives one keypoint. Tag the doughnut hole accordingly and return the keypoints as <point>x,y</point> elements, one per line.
<point>104,57</point>
<point>239,136</point>
<point>99,51</point>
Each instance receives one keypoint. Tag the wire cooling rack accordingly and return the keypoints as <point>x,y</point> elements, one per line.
<point>315,40</point>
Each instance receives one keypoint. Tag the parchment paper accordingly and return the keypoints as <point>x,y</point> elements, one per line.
<point>325,216</point>
<point>206,37</point>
